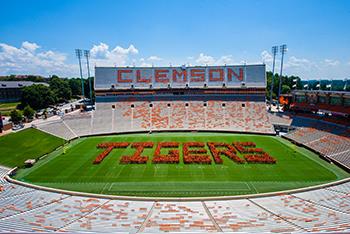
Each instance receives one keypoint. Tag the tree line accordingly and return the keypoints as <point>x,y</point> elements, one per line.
<point>39,96</point>
<point>60,90</point>
<point>294,82</point>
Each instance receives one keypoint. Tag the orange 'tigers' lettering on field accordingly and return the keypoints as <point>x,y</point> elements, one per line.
<point>193,152</point>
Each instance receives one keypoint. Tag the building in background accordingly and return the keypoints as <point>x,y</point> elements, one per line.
<point>12,90</point>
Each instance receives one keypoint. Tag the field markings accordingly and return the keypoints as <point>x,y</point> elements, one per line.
<point>252,184</point>
<point>104,187</point>
<point>110,187</point>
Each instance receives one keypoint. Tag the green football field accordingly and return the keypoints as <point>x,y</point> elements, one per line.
<point>72,168</point>
<point>29,143</point>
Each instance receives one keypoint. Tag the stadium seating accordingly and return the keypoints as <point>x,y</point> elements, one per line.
<point>179,217</point>
<point>303,120</point>
<point>141,116</point>
<point>306,135</point>
<point>114,216</point>
<point>161,116</point>
<point>121,117</point>
<point>216,116</point>
<point>79,124</point>
<point>30,210</point>
<point>102,119</point>
<point>177,115</point>
<point>311,217</point>
<point>327,198</point>
<point>196,115</point>
<point>343,157</point>
<point>280,119</point>
<point>245,216</point>
<point>57,128</point>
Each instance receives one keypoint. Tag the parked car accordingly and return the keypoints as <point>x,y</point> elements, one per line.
<point>17,127</point>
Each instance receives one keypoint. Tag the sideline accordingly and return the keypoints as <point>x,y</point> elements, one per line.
<point>131,198</point>
<point>52,155</point>
<point>323,162</point>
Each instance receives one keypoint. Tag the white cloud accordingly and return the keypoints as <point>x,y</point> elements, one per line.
<point>313,69</point>
<point>331,62</point>
<point>154,58</point>
<point>266,57</point>
<point>226,59</point>
<point>30,46</point>
<point>130,50</point>
<point>205,59</point>
<point>50,55</point>
<point>143,63</point>
<point>26,60</point>
<point>101,55</point>
<point>29,58</point>
<point>99,51</point>
<point>298,62</point>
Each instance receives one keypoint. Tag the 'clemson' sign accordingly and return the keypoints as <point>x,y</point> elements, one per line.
<point>179,77</point>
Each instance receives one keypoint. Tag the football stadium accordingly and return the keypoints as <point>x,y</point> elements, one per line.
<point>182,149</point>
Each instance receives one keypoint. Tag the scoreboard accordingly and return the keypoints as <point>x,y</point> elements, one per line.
<point>180,77</point>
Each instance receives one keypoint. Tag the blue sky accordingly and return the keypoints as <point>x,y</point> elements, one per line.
<point>39,37</point>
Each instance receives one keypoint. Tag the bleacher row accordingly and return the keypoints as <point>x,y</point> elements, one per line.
<point>154,116</point>
<point>24,209</point>
<point>308,120</point>
<point>330,145</point>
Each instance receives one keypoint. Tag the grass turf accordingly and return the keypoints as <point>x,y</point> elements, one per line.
<point>73,170</point>
<point>15,148</point>
<point>6,108</point>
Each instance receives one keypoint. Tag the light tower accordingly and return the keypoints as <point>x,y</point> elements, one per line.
<point>87,56</point>
<point>283,50</point>
<point>274,53</point>
<point>79,53</point>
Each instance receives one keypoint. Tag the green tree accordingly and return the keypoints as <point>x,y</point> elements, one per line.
<point>75,86</point>
<point>287,81</point>
<point>16,116</point>
<point>87,88</point>
<point>61,88</point>
<point>37,96</point>
<point>285,89</point>
<point>275,77</point>
<point>28,112</point>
